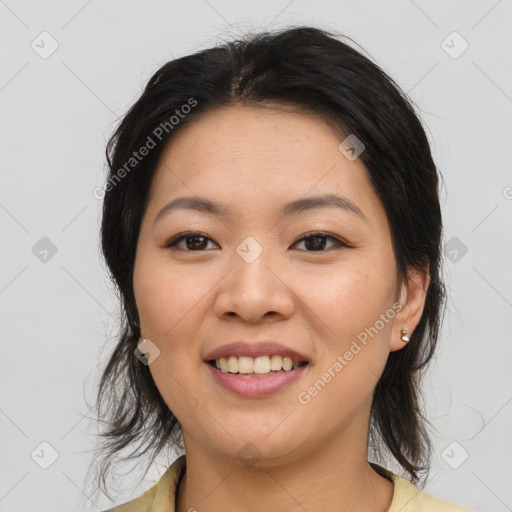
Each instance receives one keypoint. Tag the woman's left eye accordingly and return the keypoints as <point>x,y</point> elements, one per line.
<point>315,241</point>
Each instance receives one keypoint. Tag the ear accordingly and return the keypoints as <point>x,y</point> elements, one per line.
<point>412,300</point>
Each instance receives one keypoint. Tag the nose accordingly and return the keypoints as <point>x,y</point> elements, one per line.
<point>254,291</point>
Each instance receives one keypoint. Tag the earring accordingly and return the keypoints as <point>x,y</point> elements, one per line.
<point>404,337</point>
<point>144,356</point>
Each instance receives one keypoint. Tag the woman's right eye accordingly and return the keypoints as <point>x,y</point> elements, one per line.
<point>194,241</point>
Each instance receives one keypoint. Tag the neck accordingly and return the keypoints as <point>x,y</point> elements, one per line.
<point>333,477</point>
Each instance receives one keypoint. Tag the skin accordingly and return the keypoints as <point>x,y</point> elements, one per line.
<point>312,456</point>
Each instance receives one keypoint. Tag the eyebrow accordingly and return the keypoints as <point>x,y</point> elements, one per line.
<point>295,207</point>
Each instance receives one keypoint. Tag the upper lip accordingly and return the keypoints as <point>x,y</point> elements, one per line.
<point>255,349</point>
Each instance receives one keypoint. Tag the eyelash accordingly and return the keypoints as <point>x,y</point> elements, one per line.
<point>172,244</point>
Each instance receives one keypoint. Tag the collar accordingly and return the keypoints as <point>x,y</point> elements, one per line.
<point>165,490</point>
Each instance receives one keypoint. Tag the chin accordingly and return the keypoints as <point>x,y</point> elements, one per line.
<point>258,448</point>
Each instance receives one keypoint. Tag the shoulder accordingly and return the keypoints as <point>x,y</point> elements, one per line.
<point>408,498</point>
<point>141,504</point>
<point>160,497</point>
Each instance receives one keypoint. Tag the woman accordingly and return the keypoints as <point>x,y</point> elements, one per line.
<point>272,222</point>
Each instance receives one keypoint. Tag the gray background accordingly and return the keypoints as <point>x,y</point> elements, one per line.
<point>58,312</point>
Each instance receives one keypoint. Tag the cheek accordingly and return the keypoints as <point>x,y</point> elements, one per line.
<point>354,306</point>
<point>169,303</point>
<point>165,296</point>
<point>350,299</point>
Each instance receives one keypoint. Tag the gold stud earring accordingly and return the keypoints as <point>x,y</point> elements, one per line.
<point>403,336</point>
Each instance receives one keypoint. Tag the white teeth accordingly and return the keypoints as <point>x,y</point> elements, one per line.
<point>260,365</point>
<point>233,364</point>
<point>245,364</point>
<point>276,362</point>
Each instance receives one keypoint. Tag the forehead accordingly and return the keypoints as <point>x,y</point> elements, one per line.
<point>238,154</point>
<point>234,132</point>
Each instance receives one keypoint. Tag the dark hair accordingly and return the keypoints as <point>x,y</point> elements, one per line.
<point>311,70</point>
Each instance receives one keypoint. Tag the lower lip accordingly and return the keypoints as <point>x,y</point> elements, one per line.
<point>256,387</point>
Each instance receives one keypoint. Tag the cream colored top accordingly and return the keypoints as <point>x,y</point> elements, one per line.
<point>161,497</point>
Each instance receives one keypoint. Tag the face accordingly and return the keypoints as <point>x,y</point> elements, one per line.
<point>257,270</point>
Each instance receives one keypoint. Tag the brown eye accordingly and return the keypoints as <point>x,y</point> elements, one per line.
<point>193,241</point>
<point>316,242</point>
